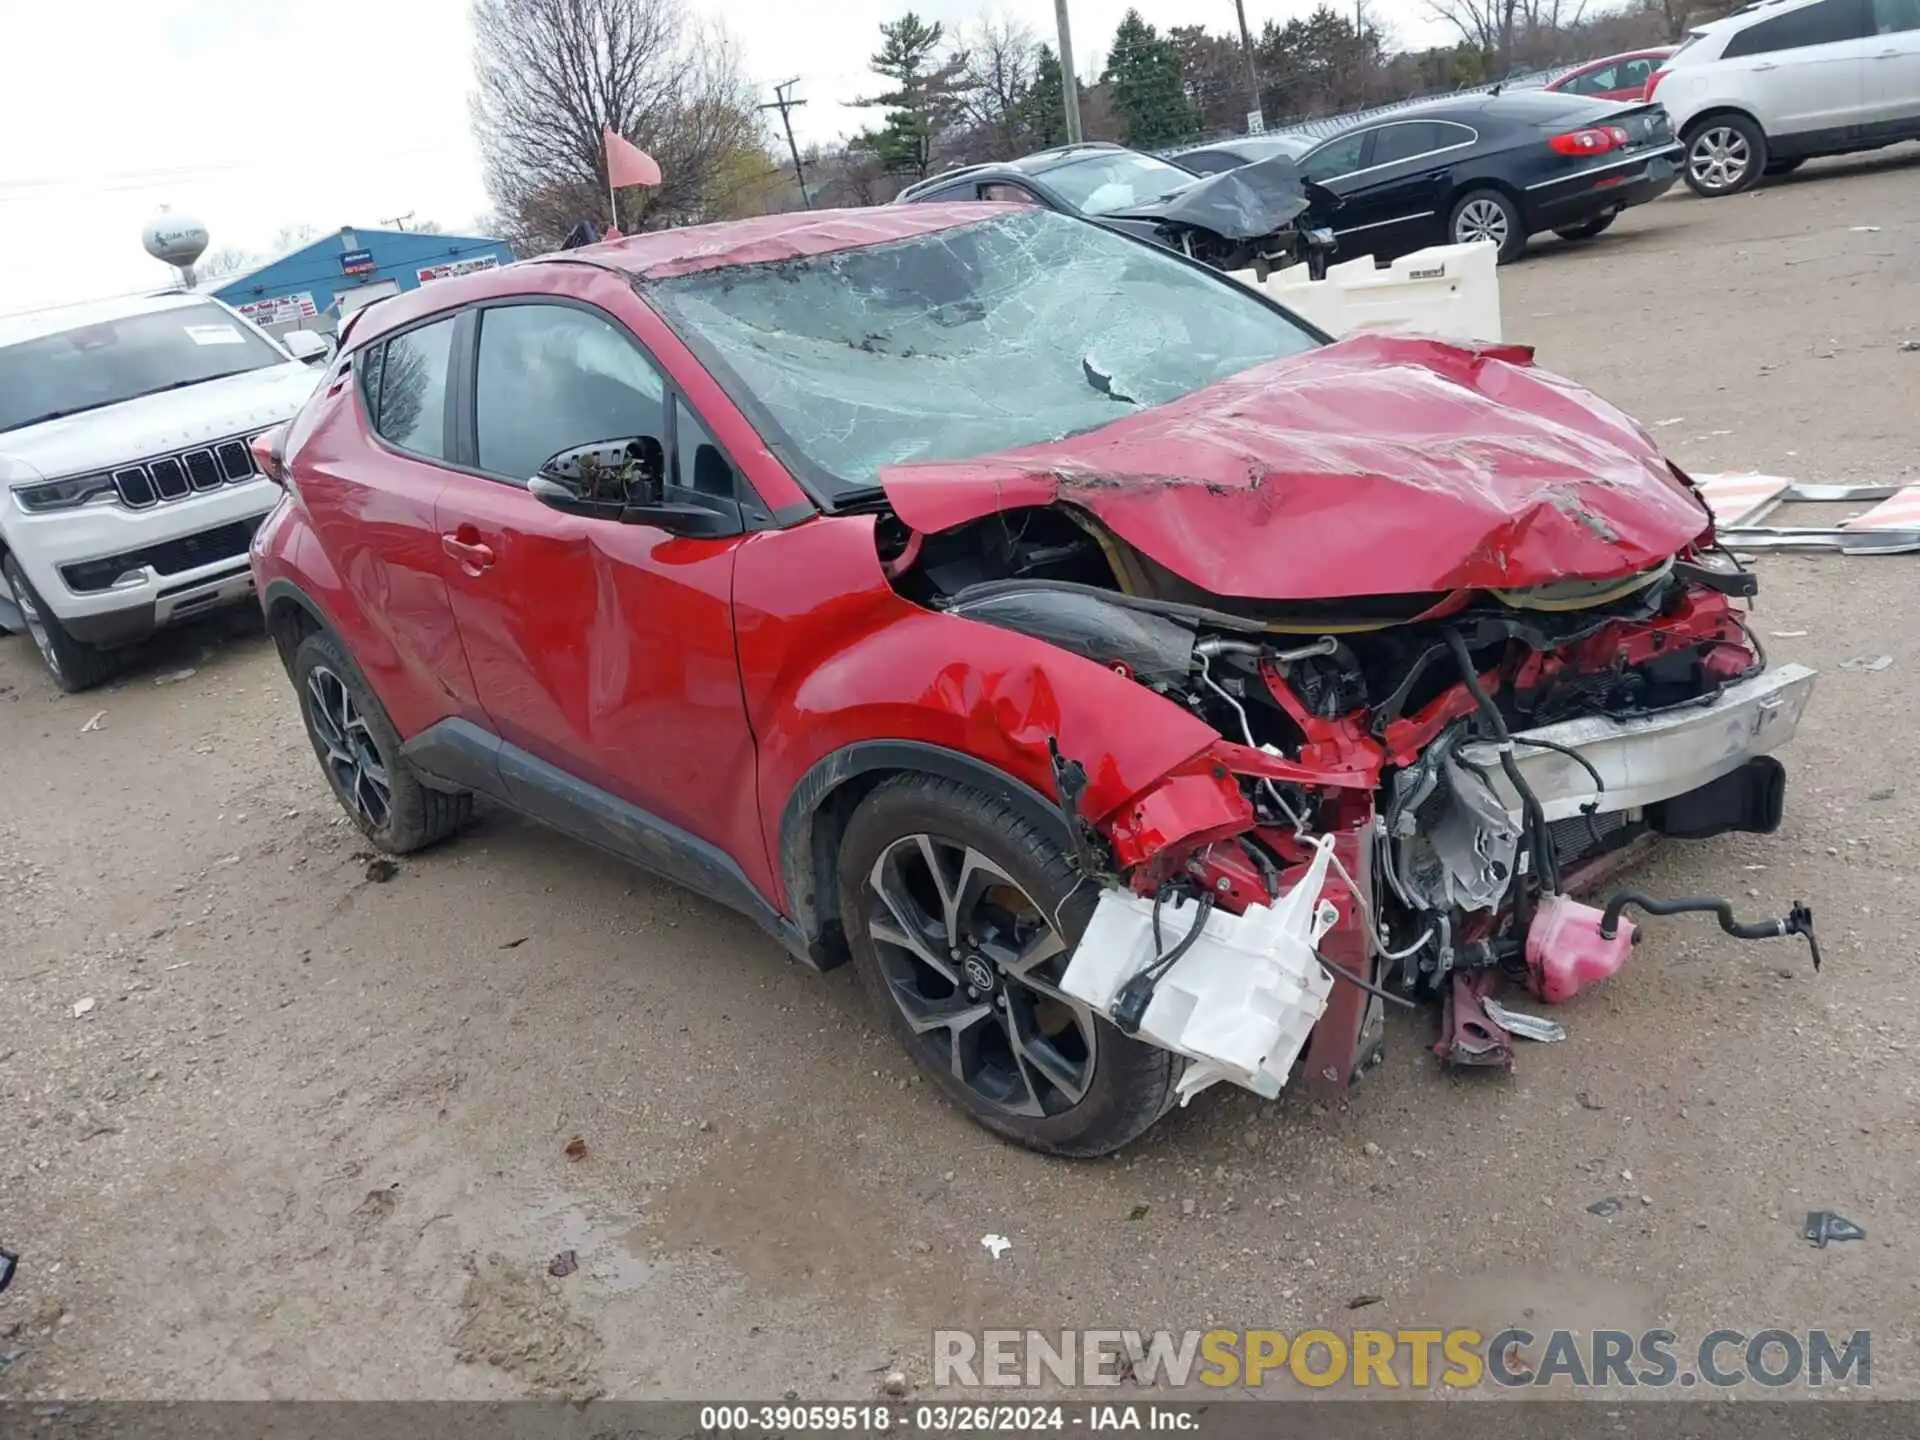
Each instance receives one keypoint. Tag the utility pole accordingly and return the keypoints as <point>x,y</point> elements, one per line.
<point>1253,78</point>
<point>783,103</point>
<point>398,222</point>
<point>1069,86</point>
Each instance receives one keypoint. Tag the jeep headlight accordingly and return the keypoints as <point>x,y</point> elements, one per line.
<point>68,494</point>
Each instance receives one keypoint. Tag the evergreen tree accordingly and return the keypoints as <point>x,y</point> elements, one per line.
<point>1146,73</point>
<point>1046,108</point>
<point>924,96</point>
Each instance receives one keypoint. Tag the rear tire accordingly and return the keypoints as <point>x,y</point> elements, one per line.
<point>1015,1055</point>
<point>1489,215</point>
<point>1587,231</point>
<point>1726,154</point>
<point>73,664</point>
<point>359,753</point>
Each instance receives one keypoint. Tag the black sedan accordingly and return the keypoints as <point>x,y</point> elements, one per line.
<point>1492,167</point>
<point>1252,217</point>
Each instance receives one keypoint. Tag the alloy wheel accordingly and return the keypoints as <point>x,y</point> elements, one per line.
<point>36,623</point>
<point>1719,157</point>
<point>353,761</point>
<point>1480,220</point>
<point>974,965</point>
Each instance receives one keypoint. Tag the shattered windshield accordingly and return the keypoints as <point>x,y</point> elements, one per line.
<point>1005,332</point>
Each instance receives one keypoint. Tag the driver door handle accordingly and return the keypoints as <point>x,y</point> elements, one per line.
<point>472,554</point>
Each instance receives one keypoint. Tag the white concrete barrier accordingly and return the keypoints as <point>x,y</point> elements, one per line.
<point>1451,291</point>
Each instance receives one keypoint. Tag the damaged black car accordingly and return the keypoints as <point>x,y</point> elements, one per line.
<point>1260,217</point>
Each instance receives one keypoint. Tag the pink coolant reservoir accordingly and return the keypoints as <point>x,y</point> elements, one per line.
<point>1565,949</point>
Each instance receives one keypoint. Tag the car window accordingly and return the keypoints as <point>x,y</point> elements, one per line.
<point>1634,74</point>
<point>1336,157</point>
<point>700,466</point>
<point>1006,194</point>
<point>1822,24</point>
<point>1110,180</point>
<point>1011,330</point>
<point>1891,16</point>
<point>407,389</point>
<point>552,377</point>
<point>1594,82</point>
<point>1211,162</point>
<point>1407,140</point>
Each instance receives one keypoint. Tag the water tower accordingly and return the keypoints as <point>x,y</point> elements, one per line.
<point>177,240</point>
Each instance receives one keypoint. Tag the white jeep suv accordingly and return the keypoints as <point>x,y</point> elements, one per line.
<point>1777,82</point>
<point>128,493</point>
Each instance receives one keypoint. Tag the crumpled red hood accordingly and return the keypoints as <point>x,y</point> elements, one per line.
<point>1379,465</point>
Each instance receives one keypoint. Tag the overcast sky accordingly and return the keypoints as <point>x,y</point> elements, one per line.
<point>252,115</point>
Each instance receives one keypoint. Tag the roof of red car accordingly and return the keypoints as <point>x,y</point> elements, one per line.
<point>1662,50</point>
<point>659,254</point>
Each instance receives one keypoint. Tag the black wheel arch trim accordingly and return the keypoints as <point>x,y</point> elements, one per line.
<point>809,854</point>
<point>460,754</point>
<point>279,590</point>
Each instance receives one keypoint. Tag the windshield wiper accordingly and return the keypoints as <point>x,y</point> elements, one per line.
<point>122,399</point>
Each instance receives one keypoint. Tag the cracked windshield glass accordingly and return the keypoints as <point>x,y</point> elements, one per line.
<point>1005,332</point>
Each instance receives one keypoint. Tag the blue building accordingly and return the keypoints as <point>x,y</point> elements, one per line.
<point>320,284</point>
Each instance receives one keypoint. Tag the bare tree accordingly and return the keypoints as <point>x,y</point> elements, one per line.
<point>1002,60</point>
<point>227,260</point>
<point>551,73</point>
<point>292,237</point>
<point>1487,25</point>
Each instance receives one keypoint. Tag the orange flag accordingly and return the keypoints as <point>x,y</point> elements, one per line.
<point>627,163</point>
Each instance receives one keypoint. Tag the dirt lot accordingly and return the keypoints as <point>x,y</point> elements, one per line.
<point>311,1138</point>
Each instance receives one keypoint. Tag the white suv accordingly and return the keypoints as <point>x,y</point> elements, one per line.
<point>128,492</point>
<point>1778,82</point>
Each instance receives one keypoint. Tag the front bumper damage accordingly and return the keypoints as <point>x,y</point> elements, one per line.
<point>1246,966</point>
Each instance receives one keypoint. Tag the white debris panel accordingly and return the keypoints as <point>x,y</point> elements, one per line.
<point>1242,999</point>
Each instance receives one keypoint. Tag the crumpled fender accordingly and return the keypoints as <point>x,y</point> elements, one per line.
<point>1378,465</point>
<point>831,657</point>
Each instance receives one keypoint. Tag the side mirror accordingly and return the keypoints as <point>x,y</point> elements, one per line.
<point>307,346</point>
<point>602,478</point>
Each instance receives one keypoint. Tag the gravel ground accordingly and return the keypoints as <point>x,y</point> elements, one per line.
<point>313,1137</point>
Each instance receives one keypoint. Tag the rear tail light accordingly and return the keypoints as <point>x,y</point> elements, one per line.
<point>269,453</point>
<point>1653,84</point>
<point>1594,140</point>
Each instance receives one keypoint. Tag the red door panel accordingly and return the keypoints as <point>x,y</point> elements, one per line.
<point>607,650</point>
<point>372,510</point>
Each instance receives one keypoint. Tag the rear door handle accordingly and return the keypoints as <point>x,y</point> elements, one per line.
<point>1888,55</point>
<point>472,554</point>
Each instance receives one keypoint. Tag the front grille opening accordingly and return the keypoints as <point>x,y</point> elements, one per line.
<point>174,477</point>
<point>170,557</point>
<point>203,470</point>
<point>136,490</point>
<point>169,478</point>
<point>236,461</point>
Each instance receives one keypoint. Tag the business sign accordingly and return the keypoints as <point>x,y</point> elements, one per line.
<point>280,309</point>
<point>356,262</point>
<point>457,267</point>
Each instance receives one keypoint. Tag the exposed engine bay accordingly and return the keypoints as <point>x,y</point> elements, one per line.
<point>1409,796</point>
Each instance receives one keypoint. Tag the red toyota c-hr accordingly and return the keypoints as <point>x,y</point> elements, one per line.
<point>932,583</point>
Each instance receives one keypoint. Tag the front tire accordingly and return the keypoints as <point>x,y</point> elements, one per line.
<point>1492,216</point>
<point>73,664</point>
<point>1587,231</point>
<point>359,752</point>
<point>1725,155</point>
<point>961,916</point>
